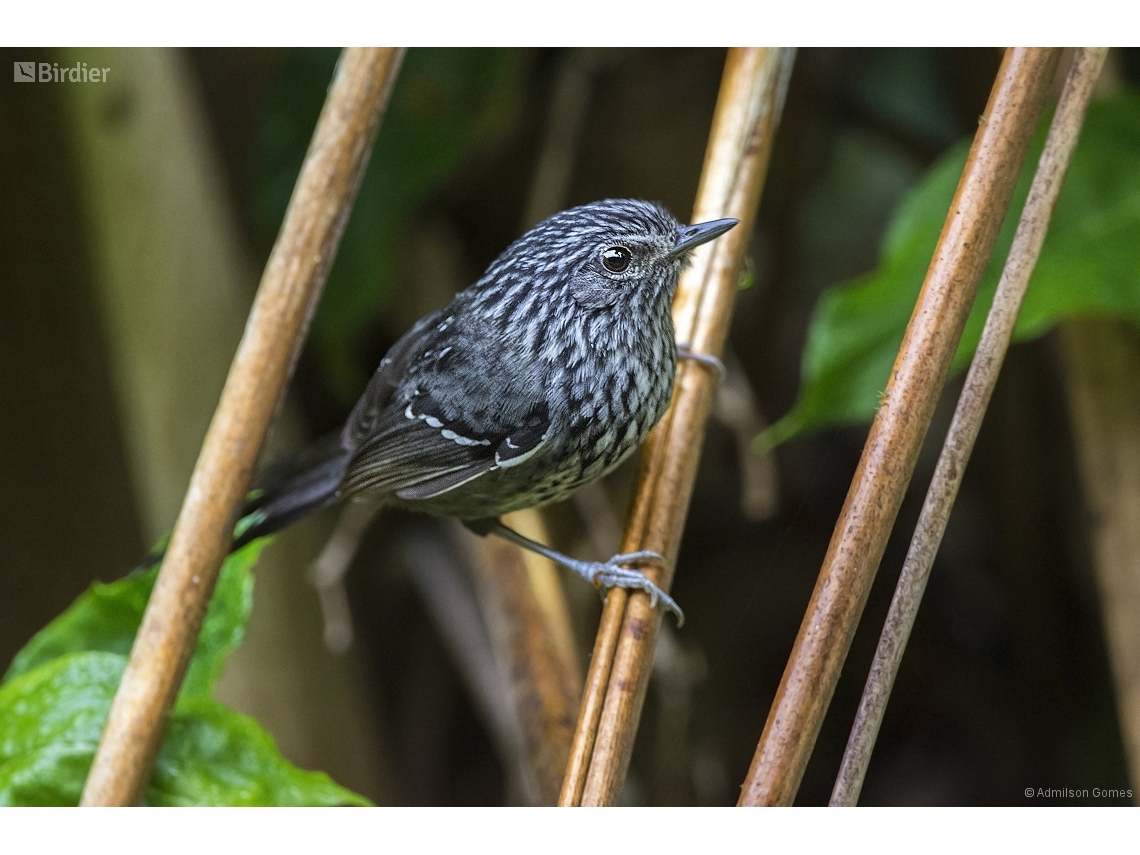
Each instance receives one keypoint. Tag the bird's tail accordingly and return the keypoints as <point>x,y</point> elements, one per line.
<point>292,489</point>
<point>285,492</point>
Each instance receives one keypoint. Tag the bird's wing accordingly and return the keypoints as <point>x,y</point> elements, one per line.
<point>423,451</point>
<point>421,444</point>
<point>365,419</point>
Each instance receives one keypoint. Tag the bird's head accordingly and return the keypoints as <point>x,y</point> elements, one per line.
<point>611,252</point>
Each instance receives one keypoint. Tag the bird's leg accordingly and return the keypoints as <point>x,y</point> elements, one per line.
<point>606,574</point>
<point>706,359</point>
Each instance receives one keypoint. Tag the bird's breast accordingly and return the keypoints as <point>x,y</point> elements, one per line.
<point>613,393</point>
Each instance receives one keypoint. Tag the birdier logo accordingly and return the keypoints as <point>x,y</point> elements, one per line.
<point>50,72</point>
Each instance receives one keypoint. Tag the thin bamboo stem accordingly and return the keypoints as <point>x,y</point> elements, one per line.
<point>980,381</point>
<point>288,293</point>
<point>900,425</point>
<point>748,111</point>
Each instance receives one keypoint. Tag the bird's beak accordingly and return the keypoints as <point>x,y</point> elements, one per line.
<point>693,236</point>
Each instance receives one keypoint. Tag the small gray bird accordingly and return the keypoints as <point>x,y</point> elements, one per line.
<point>541,377</point>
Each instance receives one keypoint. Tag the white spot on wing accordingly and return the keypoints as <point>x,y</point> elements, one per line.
<point>522,458</point>
<point>462,440</point>
<point>446,433</point>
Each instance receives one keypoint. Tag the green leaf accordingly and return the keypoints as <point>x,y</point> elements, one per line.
<point>55,698</point>
<point>1089,265</point>
<point>52,717</point>
<point>215,756</point>
<point>447,105</point>
<point>107,616</point>
<point>50,723</point>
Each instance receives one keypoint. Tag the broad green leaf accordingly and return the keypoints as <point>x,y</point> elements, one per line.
<point>51,719</point>
<point>446,105</point>
<point>56,695</point>
<point>107,616</point>
<point>1089,265</point>
<point>215,756</point>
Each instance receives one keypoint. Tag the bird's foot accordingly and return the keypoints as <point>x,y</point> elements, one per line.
<point>610,574</point>
<point>602,574</point>
<point>706,359</point>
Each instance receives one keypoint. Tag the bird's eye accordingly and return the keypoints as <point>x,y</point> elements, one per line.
<point>616,258</point>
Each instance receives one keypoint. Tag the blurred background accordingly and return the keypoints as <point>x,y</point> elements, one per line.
<point>138,214</point>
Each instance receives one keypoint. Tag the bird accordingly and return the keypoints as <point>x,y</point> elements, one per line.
<point>541,377</point>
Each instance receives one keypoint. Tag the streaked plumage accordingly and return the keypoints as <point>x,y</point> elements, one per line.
<point>541,377</point>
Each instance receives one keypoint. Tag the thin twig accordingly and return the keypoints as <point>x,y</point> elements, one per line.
<point>748,110</point>
<point>900,425</point>
<point>289,289</point>
<point>328,571</point>
<point>975,397</point>
<point>738,410</point>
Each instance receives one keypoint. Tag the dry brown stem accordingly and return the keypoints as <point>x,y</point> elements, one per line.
<point>288,293</point>
<point>748,110</point>
<point>896,435</point>
<point>971,409</point>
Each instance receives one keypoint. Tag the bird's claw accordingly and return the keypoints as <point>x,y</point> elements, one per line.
<point>603,574</point>
<point>644,556</point>
<point>611,574</point>
<point>709,361</point>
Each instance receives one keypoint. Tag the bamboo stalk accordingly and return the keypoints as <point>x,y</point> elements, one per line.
<point>980,381</point>
<point>748,110</point>
<point>900,425</point>
<point>288,293</point>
